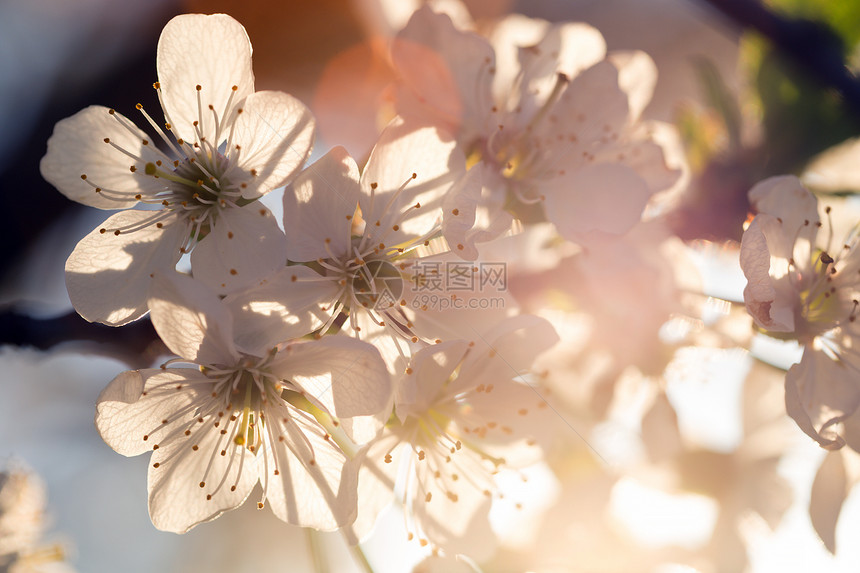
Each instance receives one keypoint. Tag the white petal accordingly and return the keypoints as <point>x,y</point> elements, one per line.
<point>506,38</point>
<point>605,198</point>
<point>429,370</point>
<point>316,485</point>
<point>403,151</point>
<point>451,298</point>
<point>637,76</point>
<point>244,246</point>
<point>443,564</point>
<point>505,352</point>
<point>819,393</point>
<point>829,491</point>
<point>346,375</point>
<point>191,320</point>
<point>376,480</point>
<point>440,85</point>
<point>210,51</point>
<point>177,501</point>
<point>835,169</point>
<point>786,198</point>
<point>108,275</point>
<point>458,214</point>
<point>592,107</point>
<point>567,48</point>
<point>760,241</point>
<point>647,158</point>
<point>275,133</point>
<point>77,148</point>
<point>460,523</point>
<point>131,410</point>
<point>319,208</point>
<point>279,308</point>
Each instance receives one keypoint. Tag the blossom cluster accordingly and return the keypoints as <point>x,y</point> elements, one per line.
<point>384,340</point>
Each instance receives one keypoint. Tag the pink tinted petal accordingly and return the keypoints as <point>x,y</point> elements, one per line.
<point>440,85</point>
<point>602,198</point>
<point>769,310</point>
<point>637,76</point>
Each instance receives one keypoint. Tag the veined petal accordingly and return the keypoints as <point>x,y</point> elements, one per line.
<point>279,308</point>
<point>316,485</point>
<point>388,187</point>
<point>319,208</point>
<point>607,198</point>
<point>131,411</point>
<point>79,161</point>
<point>275,133</point>
<point>244,246</point>
<point>190,486</point>
<point>108,274</point>
<point>191,320</point>
<point>346,375</point>
<point>224,61</point>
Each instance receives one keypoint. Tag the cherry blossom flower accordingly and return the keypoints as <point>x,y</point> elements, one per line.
<point>360,236</point>
<point>244,413</point>
<point>806,287</point>
<point>462,412</point>
<point>224,147</point>
<point>553,121</point>
<point>22,520</point>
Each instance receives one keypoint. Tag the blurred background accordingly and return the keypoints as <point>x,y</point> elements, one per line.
<point>699,468</point>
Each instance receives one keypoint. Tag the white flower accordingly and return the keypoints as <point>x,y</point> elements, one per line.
<point>359,237</point>
<point>229,146</point>
<point>22,520</point>
<point>241,415</point>
<point>807,288</point>
<point>462,412</point>
<point>550,118</point>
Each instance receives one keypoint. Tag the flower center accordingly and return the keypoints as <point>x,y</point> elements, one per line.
<point>198,178</point>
